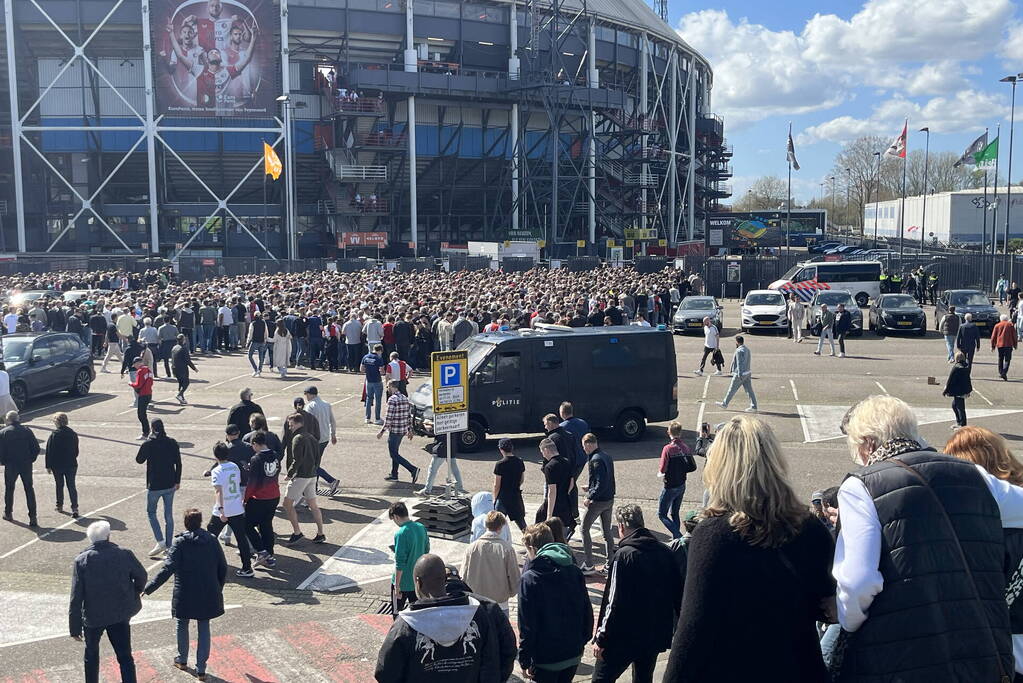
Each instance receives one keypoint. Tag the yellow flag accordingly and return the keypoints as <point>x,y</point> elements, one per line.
<point>271,162</point>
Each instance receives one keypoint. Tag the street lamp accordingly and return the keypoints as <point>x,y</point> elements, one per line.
<point>877,195</point>
<point>834,196</point>
<point>923,216</point>
<point>1008,183</point>
<point>848,188</point>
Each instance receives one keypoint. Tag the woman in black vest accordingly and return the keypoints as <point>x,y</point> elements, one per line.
<point>958,387</point>
<point>758,574</point>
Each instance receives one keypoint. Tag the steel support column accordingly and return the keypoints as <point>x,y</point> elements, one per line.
<point>515,167</point>
<point>12,81</point>
<point>672,142</point>
<point>413,200</point>
<point>292,233</point>
<point>691,184</point>
<point>644,113</point>
<point>593,79</point>
<point>147,55</point>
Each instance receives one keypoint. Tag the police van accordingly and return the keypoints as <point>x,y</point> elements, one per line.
<point>862,279</point>
<point>617,377</point>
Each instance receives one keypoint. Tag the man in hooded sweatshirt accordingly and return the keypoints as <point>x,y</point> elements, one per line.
<point>442,637</point>
<point>482,504</point>
<point>555,616</point>
<point>641,601</point>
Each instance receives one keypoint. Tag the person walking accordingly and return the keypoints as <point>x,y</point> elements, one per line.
<point>843,326</point>
<point>372,364</point>
<point>958,387</point>
<point>181,363</point>
<point>557,472</point>
<point>150,340</point>
<point>196,561</point>
<point>242,411</point>
<point>352,333</point>
<point>826,322</point>
<point>399,371</point>
<point>555,615</point>
<point>1001,286</point>
<point>410,543</point>
<point>162,458</point>
<point>968,339</point>
<point>62,461</point>
<point>490,565</point>
<point>711,346</point>
<point>757,551</point>
<point>676,462</point>
<point>742,375</point>
<point>113,343</point>
<point>228,505</point>
<point>281,353</point>
<point>917,598</point>
<point>106,585</point>
<point>168,335</point>
<point>439,449</point>
<point>1005,341</point>
<point>599,501</point>
<point>509,473</point>
<point>948,326</point>
<point>398,425</point>
<point>575,428</point>
<point>259,335</point>
<point>18,450</point>
<point>796,314</point>
<point>324,416</point>
<point>301,478</point>
<point>262,495</point>
<point>640,603</point>
<point>143,386</point>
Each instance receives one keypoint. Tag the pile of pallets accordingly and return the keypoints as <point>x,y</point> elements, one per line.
<point>448,518</point>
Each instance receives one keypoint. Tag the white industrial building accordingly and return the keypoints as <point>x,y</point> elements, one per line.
<point>951,216</point>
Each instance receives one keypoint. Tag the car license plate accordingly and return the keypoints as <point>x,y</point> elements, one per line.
<point>980,323</point>
<point>905,323</point>
<point>765,323</point>
<point>695,324</point>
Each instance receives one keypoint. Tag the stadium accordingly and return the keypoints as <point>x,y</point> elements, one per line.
<point>137,127</point>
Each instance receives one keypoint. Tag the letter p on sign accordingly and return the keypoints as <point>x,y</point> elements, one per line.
<point>449,375</point>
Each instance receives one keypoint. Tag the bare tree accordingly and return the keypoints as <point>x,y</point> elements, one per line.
<point>767,193</point>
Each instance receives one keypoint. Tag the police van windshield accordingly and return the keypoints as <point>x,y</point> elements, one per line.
<point>477,351</point>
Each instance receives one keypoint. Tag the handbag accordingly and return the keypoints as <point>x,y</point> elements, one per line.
<point>688,463</point>
<point>717,358</point>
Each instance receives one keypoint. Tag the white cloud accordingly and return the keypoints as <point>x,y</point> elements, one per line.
<point>1012,48</point>
<point>966,110</point>
<point>909,47</point>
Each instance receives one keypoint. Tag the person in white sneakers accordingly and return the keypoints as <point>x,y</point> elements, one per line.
<point>826,320</point>
<point>797,314</point>
<point>742,376</point>
<point>229,506</point>
<point>711,346</point>
<point>162,458</point>
<point>843,326</point>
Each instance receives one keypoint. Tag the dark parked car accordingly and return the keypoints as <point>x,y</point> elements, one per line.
<point>897,313</point>
<point>833,297</point>
<point>974,301</point>
<point>42,363</point>
<point>822,247</point>
<point>691,312</point>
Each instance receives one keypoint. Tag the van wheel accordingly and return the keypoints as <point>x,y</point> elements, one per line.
<point>630,425</point>
<point>472,439</point>
<point>862,299</point>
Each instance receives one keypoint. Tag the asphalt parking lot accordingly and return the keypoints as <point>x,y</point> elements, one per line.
<point>278,629</point>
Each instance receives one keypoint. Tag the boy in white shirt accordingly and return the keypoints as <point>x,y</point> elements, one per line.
<point>229,508</point>
<point>399,371</point>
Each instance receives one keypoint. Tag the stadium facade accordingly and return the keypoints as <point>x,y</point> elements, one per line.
<point>139,126</point>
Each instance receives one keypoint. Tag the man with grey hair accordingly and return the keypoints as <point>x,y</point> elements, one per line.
<point>1004,340</point>
<point>968,338</point>
<point>901,595</point>
<point>18,450</point>
<point>244,409</point>
<point>641,599</point>
<point>106,586</point>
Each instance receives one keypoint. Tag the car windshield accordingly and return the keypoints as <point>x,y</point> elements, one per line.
<point>902,301</point>
<point>834,298</point>
<point>697,305</point>
<point>477,352</point>
<point>970,299</point>
<point>791,272</point>
<point>16,350</point>
<point>765,300</point>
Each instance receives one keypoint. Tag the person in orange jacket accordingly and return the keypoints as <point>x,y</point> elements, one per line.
<point>1004,339</point>
<point>143,386</point>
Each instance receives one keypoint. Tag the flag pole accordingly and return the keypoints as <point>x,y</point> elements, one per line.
<point>902,211</point>
<point>994,210</point>
<point>265,204</point>
<point>788,199</point>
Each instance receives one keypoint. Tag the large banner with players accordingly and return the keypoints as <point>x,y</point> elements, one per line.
<point>215,57</point>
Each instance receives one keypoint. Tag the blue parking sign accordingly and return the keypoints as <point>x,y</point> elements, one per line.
<point>450,374</point>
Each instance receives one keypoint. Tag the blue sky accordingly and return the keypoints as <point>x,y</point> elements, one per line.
<point>852,69</point>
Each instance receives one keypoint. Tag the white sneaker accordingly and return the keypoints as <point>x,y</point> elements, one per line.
<point>423,493</point>
<point>718,373</point>
<point>697,372</point>
<point>841,355</point>
<point>158,549</point>
<point>751,409</point>
<point>369,421</point>
<point>719,403</point>
<point>379,422</point>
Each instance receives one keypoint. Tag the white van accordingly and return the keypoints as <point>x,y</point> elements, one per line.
<point>862,279</point>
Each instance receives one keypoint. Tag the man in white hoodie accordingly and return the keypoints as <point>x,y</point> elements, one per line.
<point>490,566</point>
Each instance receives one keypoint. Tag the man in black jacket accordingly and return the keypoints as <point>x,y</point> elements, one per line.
<point>181,363</point>
<point>843,325</point>
<point>105,588</point>
<point>641,600</point>
<point>449,637</point>
<point>404,333</point>
<point>18,450</point>
<point>244,409</point>
<point>968,339</point>
<point>162,457</point>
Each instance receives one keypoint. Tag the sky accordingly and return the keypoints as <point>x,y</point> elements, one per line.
<point>852,69</point>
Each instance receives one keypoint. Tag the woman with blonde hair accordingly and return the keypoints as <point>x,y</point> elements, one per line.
<point>758,570</point>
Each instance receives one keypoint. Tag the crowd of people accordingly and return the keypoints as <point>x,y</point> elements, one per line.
<point>819,593</point>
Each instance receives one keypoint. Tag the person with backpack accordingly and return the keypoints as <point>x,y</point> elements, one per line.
<point>676,462</point>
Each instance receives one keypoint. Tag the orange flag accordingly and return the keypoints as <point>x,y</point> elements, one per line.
<point>271,162</point>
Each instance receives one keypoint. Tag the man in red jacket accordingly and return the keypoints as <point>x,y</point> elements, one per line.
<point>143,386</point>
<point>1003,338</point>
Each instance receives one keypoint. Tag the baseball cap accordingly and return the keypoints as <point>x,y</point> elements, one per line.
<point>817,495</point>
<point>506,445</point>
<point>311,389</point>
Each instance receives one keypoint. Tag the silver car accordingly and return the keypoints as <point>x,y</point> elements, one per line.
<point>691,312</point>
<point>833,297</point>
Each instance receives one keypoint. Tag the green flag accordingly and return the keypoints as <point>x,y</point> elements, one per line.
<point>987,157</point>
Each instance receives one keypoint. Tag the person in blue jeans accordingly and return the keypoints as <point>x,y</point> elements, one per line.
<point>314,328</point>
<point>162,457</point>
<point>196,561</point>
<point>372,363</point>
<point>676,462</point>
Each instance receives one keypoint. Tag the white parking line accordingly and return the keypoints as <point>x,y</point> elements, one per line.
<point>210,386</point>
<point>68,523</point>
<point>706,386</point>
<point>795,394</point>
<point>976,391</point>
<point>880,386</point>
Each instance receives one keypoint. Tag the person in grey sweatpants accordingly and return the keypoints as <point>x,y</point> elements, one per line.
<point>599,501</point>
<point>742,376</point>
<point>827,323</point>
